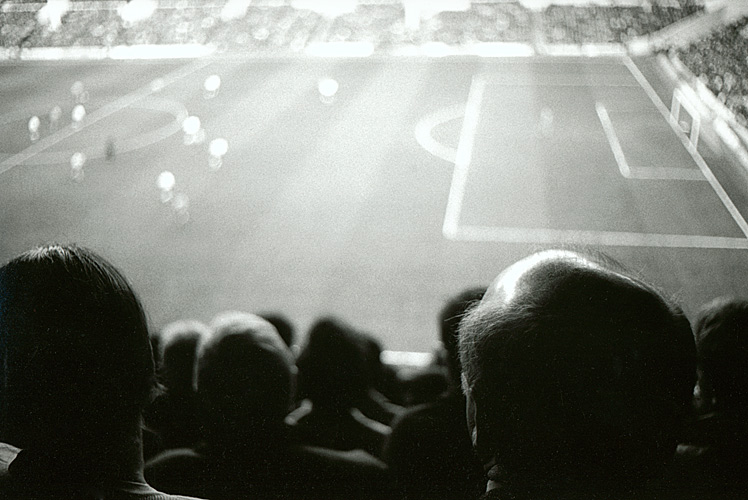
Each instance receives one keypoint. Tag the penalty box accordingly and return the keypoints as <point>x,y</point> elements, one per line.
<point>542,159</point>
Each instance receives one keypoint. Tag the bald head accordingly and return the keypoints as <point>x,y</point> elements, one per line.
<point>576,369</point>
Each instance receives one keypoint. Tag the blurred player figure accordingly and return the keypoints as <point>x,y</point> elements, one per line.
<point>77,162</point>
<point>34,124</point>
<point>545,122</point>
<point>110,149</point>
<point>54,117</point>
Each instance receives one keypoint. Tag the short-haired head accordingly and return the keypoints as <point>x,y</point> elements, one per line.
<point>178,345</point>
<point>283,325</point>
<point>246,374</point>
<point>74,349</point>
<point>333,370</point>
<point>721,332</point>
<point>576,372</point>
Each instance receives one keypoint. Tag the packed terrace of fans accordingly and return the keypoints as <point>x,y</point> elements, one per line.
<point>279,28</point>
<point>718,59</point>
<point>283,27</point>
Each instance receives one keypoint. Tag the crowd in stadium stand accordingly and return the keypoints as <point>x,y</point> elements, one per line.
<point>568,377</point>
<point>606,24</point>
<point>719,60</point>
<point>283,27</point>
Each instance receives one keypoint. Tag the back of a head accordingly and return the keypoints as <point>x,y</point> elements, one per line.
<point>580,374</point>
<point>332,365</point>
<point>178,343</point>
<point>372,350</point>
<point>245,375</point>
<point>721,332</point>
<point>450,317</point>
<point>283,325</point>
<point>75,350</point>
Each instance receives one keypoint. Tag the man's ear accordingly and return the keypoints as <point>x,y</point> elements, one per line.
<point>471,413</point>
<point>476,426</point>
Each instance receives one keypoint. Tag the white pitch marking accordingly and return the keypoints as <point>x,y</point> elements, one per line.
<point>607,238</point>
<point>615,146</point>
<point>504,83</point>
<point>101,113</point>
<point>650,173</point>
<point>429,122</point>
<point>463,157</point>
<point>453,231</point>
<point>693,151</point>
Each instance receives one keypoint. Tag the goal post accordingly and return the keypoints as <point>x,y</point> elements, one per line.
<point>686,116</point>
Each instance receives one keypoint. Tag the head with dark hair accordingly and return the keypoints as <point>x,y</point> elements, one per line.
<point>450,317</point>
<point>577,374</point>
<point>332,365</point>
<point>373,357</point>
<point>283,325</point>
<point>178,345</point>
<point>246,376</point>
<point>721,332</point>
<point>77,363</point>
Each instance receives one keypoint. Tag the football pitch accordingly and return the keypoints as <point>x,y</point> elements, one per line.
<point>369,189</point>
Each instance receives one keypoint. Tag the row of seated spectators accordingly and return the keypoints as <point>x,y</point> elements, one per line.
<point>284,27</point>
<point>345,400</point>
<point>568,377</point>
<point>719,60</point>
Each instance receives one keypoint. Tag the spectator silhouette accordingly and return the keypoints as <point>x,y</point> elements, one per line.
<point>175,416</point>
<point>429,452</point>
<point>714,461</point>
<point>424,385</point>
<point>578,379</point>
<point>246,378</point>
<point>284,327</point>
<point>77,373</point>
<point>375,405</point>
<point>333,376</point>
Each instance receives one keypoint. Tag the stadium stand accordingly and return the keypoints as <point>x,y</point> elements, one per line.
<point>490,22</point>
<point>274,26</point>
<point>720,63</point>
<point>605,24</point>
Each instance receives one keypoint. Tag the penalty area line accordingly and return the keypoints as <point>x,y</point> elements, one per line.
<point>644,173</point>
<point>686,141</point>
<point>595,238</point>
<point>463,157</point>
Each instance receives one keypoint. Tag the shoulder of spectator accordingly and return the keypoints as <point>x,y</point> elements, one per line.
<point>304,409</point>
<point>369,424</point>
<point>8,453</point>
<point>356,458</point>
